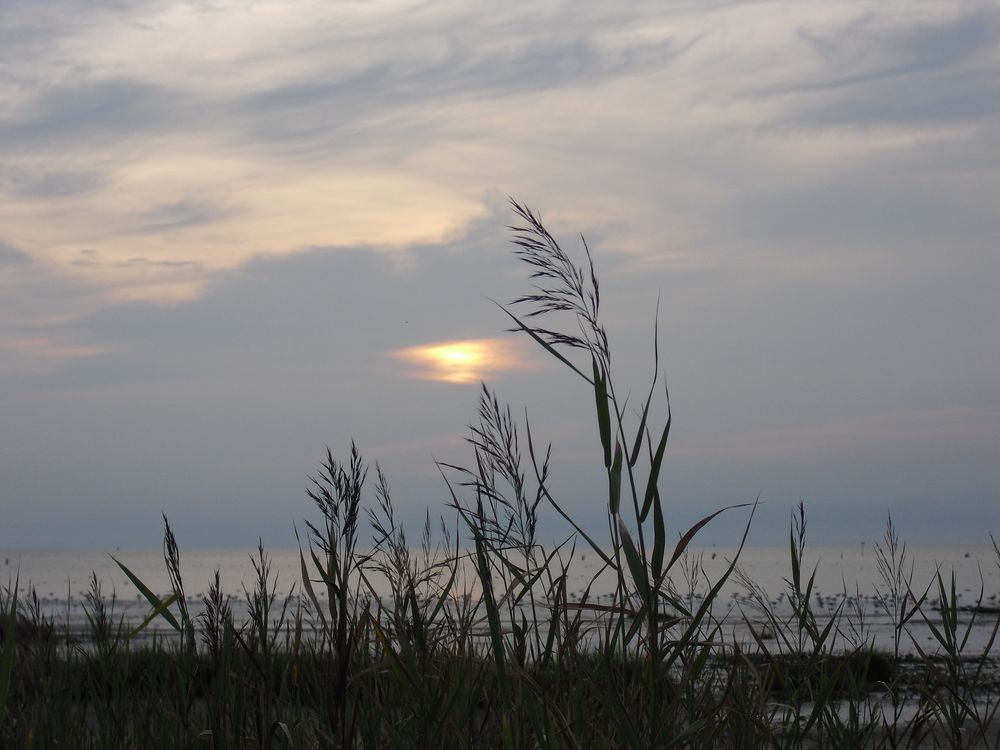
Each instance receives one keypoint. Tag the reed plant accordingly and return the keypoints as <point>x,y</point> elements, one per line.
<point>473,637</point>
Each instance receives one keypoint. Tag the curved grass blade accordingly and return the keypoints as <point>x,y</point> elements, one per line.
<point>695,623</point>
<point>654,468</point>
<point>615,480</point>
<point>392,657</point>
<point>306,583</point>
<point>152,598</point>
<point>548,496</point>
<point>493,619</point>
<point>158,610</point>
<point>690,533</point>
<point>603,411</point>
<point>635,563</point>
<point>659,536</point>
<point>634,456</point>
<point>542,342</point>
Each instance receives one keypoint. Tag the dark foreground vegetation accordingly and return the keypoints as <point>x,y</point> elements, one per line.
<point>480,642</point>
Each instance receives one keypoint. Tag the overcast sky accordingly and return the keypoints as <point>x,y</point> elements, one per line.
<point>233,233</point>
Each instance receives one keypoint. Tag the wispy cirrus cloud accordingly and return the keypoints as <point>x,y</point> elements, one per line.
<point>311,127</point>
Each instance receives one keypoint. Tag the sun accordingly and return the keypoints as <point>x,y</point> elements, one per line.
<point>467,361</point>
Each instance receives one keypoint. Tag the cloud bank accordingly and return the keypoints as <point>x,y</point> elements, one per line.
<point>219,219</point>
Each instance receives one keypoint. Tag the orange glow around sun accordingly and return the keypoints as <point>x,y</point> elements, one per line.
<point>467,361</point>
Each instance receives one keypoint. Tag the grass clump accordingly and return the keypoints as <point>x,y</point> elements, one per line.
<point>473,637</point>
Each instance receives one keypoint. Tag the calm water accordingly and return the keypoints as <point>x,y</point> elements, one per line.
<point>62,577</point>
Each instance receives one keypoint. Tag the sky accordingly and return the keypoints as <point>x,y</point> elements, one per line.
<point>233,234</point>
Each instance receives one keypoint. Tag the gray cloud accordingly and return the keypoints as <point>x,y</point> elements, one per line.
<point>11,256</point>
<point>512,56</point>
<point>50,184</point>
<point>330,111</point>
<point>952,42</point>
<point>33,297</point>
<point>89,113</point>
<point>91,258</point>
<point>463,71</point>
<point>166,217</point>
<point>902,47</point>
<point>903,72</point>
<point>307,310</point>
<point>917,98</point>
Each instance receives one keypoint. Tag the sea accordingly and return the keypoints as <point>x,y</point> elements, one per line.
<point>845,580</point>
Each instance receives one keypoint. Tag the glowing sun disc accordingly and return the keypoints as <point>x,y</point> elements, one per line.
<point>467,361</point>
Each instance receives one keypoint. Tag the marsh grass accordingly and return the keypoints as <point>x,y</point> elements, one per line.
<point>479,641</point>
